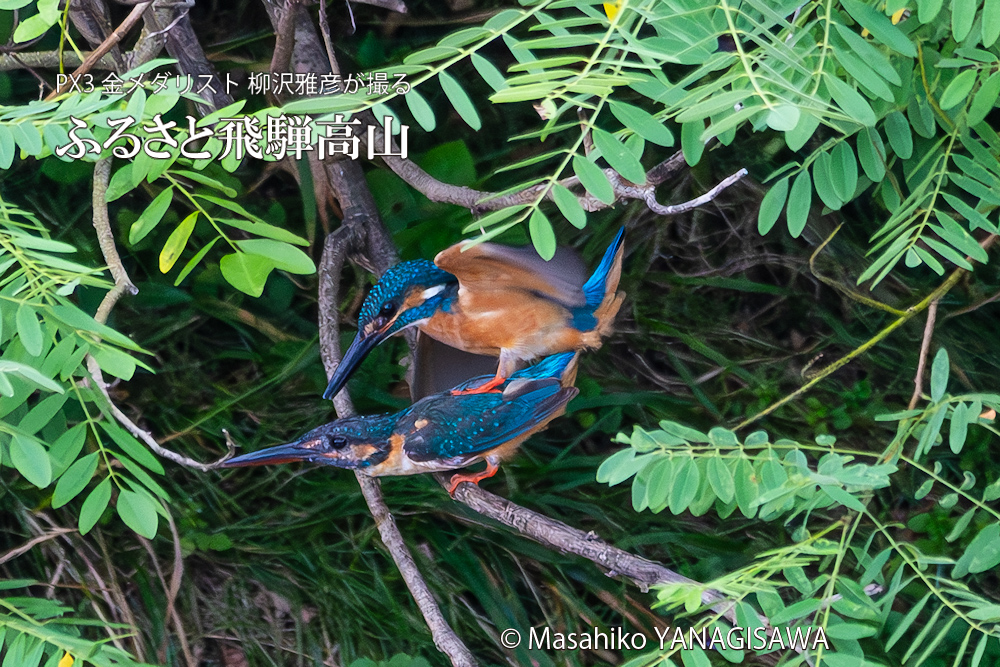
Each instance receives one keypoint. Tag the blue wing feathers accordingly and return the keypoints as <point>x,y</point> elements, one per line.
<point>593,289</point>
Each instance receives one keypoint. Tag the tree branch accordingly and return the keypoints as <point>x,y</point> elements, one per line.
<point>335,250</point>
<point>558,536</point>
<point>104,47</point>
<point>481,202</point>
<point>106,239</point>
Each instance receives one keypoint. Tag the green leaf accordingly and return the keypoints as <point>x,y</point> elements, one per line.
<point>959,428</point>
<point>721,479</point>
<point>842,497</point>
<point>771,205</point>
<point>747,487</point>
<point>985,98</point>
<point>871,154</point>
<point>783,118</point>
<point>958,90</point>
<point>120,183</point>
<point>138,511</point>
<point>176,242</point>
<point>963,12</point>
<point>850,101</point>
<point>421,110</point>
<point>619,157</point>
<point>619,466</point>
<point>460,100</point>
<point>897,129</point>
<point>685,486</point>
<point>253,224</point>
<point>864,74</point>
<point>593,179</point>
<point>75,479</point>
<point>132,447</point>
<point>7,149</point>
<point>660,480</point>
<point>991,22</point>
<point>850,630</point>
<point>29,329</point>
<point>939,375</point>
<point>247,273</point>
<point>114,361</point>
<point>869,54</point>
<point>642,123</point>
<point>542,236</point>
<point>94,506</point>
<point>844,170</point>
<point>907,621</point>
<point>42,413</point>
<point>283,256</point>
<point>151,216</point>
<point>31,460</point>
<point>799,200</point>
<point>982,554</point>
<point>823,180</point>
<point>960,525</point>
<point>927,10</point>
<point>195,260</point>
<point>199,177</point>
<point>977,656</point>
<point>692,144</point>
<point>569,206</point>
<point>491,75</point>
<point>881,28</point>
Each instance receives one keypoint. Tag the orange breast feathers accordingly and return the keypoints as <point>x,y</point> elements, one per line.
<point>514,320</point>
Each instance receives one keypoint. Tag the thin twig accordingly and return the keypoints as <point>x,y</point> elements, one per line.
<point>33,542</point>
<point>849,293</point>
<point>324,29</point>
<point>908,314</point>
<point>104,47</point>
<point>925,347</point>
<point>656,207</point>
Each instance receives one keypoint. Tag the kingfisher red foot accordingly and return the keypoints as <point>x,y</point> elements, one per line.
<point>439,432</point>
<point>492,300</point>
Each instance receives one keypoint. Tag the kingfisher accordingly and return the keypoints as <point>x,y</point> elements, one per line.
<point>491,300</point>
<point>444,431</point>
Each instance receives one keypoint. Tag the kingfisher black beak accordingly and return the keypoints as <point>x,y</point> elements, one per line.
<point>354,355</point>
<point>300,450</point>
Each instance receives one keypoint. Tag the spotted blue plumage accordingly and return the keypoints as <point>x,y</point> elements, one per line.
<point>468,425</point>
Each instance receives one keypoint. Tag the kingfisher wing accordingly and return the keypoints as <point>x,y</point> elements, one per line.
<point>465,426</point>
<point>492,267</point>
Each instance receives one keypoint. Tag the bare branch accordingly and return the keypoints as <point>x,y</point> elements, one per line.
<point>50,59</point>
<point>694,203</point>
<point>481,202</point>
<point>392,5</point>
<point>558,536</point>
<point>925,347</point>
<point>105,46</point>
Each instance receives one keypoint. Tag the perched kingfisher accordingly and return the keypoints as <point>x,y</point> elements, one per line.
<point>491,300</point>
<point>444,431</point>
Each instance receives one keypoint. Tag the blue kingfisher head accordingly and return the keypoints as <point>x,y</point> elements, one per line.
<point>407,295</point>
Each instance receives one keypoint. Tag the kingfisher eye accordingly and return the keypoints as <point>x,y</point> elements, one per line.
<point>338,442</point>
<point>388,309</point>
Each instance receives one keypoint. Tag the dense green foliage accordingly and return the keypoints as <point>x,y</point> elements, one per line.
<point>877,523</point>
